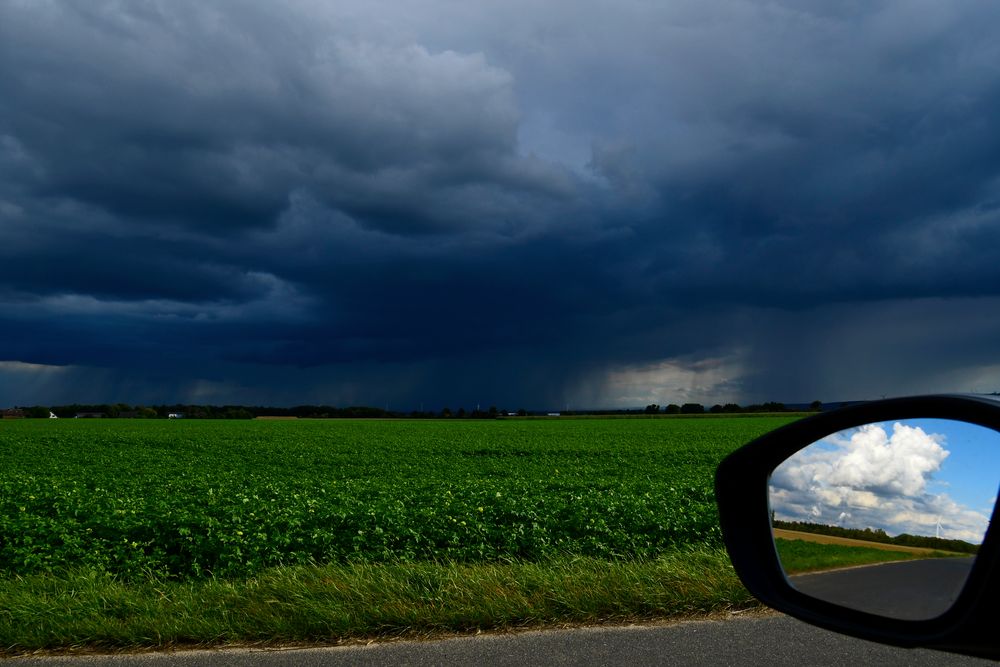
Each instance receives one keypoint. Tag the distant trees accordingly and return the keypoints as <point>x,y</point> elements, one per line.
<point>189,411</point>
<point>236,413</point>
<point>878,535</point>
<point>727,408</point>
<point>125,411</point>
<point>766,407</point>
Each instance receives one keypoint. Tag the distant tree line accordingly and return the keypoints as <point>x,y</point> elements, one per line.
<point>880,536</point>
<point>125,411</point>
<point>189,411</point>
<point>728,408</point>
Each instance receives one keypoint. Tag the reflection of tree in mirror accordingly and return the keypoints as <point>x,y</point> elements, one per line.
<point>880,536</point>
<point>887,478</point>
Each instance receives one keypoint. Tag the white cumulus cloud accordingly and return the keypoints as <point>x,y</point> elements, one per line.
<point>876,476</point>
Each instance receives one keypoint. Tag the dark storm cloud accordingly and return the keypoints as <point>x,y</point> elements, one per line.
<point>209,119</point>
<point>732,200</point>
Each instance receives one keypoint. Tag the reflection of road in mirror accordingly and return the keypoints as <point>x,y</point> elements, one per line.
<point>911,590</point>
<point>923,487</point>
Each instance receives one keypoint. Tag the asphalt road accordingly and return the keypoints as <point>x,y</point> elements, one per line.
<point>757,640</point>
<point>910,590</point>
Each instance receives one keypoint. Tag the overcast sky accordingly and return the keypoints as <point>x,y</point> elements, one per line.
<point>583,204</point>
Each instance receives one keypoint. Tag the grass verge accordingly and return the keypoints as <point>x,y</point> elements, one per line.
<point>88,610</point>
<point>798,556</point>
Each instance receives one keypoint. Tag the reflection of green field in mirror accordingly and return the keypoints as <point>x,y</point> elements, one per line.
<point>798,556</point>
<point>818,532</point>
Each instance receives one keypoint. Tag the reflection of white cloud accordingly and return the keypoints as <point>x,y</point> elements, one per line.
<point>865,499</point>
<point>866,478</point>
<point>898,465</point>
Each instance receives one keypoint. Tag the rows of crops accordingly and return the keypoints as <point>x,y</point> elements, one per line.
<point>195,499</point>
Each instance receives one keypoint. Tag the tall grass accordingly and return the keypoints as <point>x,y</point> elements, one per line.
<point>336,603</point>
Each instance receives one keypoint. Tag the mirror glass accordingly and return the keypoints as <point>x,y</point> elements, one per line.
<point>887,517</point>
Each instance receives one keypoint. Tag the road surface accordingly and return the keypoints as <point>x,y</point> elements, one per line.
<point>757,640</point>
<point>909,590</point>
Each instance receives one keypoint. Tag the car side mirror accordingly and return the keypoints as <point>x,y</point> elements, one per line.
<point>874,520</point>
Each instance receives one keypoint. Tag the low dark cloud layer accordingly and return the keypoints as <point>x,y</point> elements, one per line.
<point>498,204</point>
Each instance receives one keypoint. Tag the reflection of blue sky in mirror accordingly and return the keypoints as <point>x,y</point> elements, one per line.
<point>971,474</point>
<point>918,476</point>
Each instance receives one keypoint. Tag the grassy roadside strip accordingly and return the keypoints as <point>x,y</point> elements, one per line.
<point>800,556</point>
<point>84,610</point>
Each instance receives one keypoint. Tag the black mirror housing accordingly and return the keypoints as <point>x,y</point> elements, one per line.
<point>741,487</point>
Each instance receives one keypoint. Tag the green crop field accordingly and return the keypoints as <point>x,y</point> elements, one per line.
<point>228,498</point>
<point>207,531</point>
